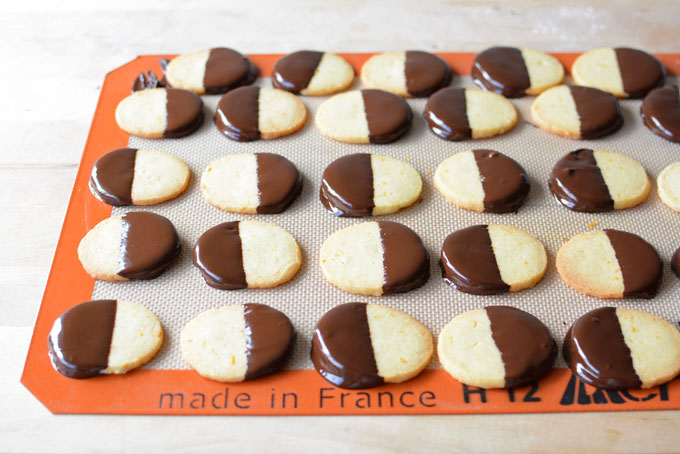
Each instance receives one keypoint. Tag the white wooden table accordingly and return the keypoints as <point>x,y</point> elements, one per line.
<point>54,58</point>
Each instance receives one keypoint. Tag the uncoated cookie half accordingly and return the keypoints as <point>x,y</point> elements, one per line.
<point>668,186</point>
<point>406,73</point>
<point>660,111</point>
<point>312,73</point>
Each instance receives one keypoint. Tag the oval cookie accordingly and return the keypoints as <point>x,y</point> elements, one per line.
<point>660,112</point>
<point>410,73</point>
<point>514,72</point>
<point>624,72</point>
<point>251,183</point>
<point>496,347</point>
<point>358,345</point>
<point>138,177</point>
<point>363,184</point>
<point>482,180</point>
<point>312,73</point>
<point>594,181</point>
<point>375,258</point>
<point>461,114</point>
<point>103,337</point>
<point>246,254</point>
<point>160,113</point>
<point>491,259</point>
<point>577,112</point>
<point>616,348</point>
<point>237,343</point>
<point>668,186</point>
<point>675,262</point>
<point>364,116</point>
<point>610,264</point>
<point>210,71</point>
<point>136,246</point>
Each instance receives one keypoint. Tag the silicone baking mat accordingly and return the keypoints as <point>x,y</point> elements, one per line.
<point>167,386</point>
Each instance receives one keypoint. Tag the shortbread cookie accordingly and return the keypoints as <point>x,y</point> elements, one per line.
<point>312,73</point>
<point>210,71</point>
<point>668,186</point>
<point>251,183</point>
<point>136,246</point>
<point>496,347</point>
<point>596,180</point>
<point>364,116</point>
<point>482,180</point>
<point>490,259</point>
<point>363,184</point>
<point>660,111</point>
<point>103,337</point>
<point>624,72</point>
<point>577,112</point>
<point>237,343</point>
<point>160,113</point>
<point>616,348</point>
<point>138,177</point>
<point>610,264</point>
<point>461,114</point>
<point>251,113</point>
<point>247,254</point>
<point>514,72</point>
<point>375,258</point>
<point>359,345</point>
<point>410,73</point>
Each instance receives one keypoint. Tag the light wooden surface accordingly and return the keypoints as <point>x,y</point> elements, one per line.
<point>55,56</point>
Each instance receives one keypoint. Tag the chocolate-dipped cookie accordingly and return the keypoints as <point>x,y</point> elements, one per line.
<point>263,183</point>
<point>514,72</point>
<point>359,345</point>
<point>595,180</point>
<point>103,337</point>
<point>157,113</point>
<point>491,259</point>
<point>462,114</point>
<point>482,180</point>
<point>621,71</point>
<point>364,116</point>
<point>375,258</point>
<point>577,112</point>
<point>136,246</point>
<point>610,264</point>
<point>496,347</point>
<point>237,343</point>
<point>616,348</point>
<point>210,71</point>
<point>363,184</point>
<point>138,177</point>
<point>246,254</point>
<point>660,111</point>
<point>675,262</point>
<point>312,73</point>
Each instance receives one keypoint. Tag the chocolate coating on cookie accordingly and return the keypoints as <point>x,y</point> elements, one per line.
<point>577,183</point>
<point>112,174</point>
<point>294,71</point>
<point>446,114</point>
<point>148,247</point>
<point>425,73</point>
<point>527,348</point>
<point>406,261</point>
<point>347,186</point>
<point>675,262</point>
<point>504,181</point>
<point>640,264</point>
<point>270,337</point>
<point>640,71</point>
<point>598,111</point>
<point>218,255</point>
<point>389,116</point>
<point>501,70</point>
<point>80,340</point>
<point>227,69</point>
<point>660,112</point>
<point>342,351</point>
<point>468,262</point>
<point>185,113</point>
<point>237,114</point>
<point>278,181</point>
<point>596,351</point>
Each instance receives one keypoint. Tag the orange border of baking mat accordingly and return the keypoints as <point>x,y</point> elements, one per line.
<point>294,392</point>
